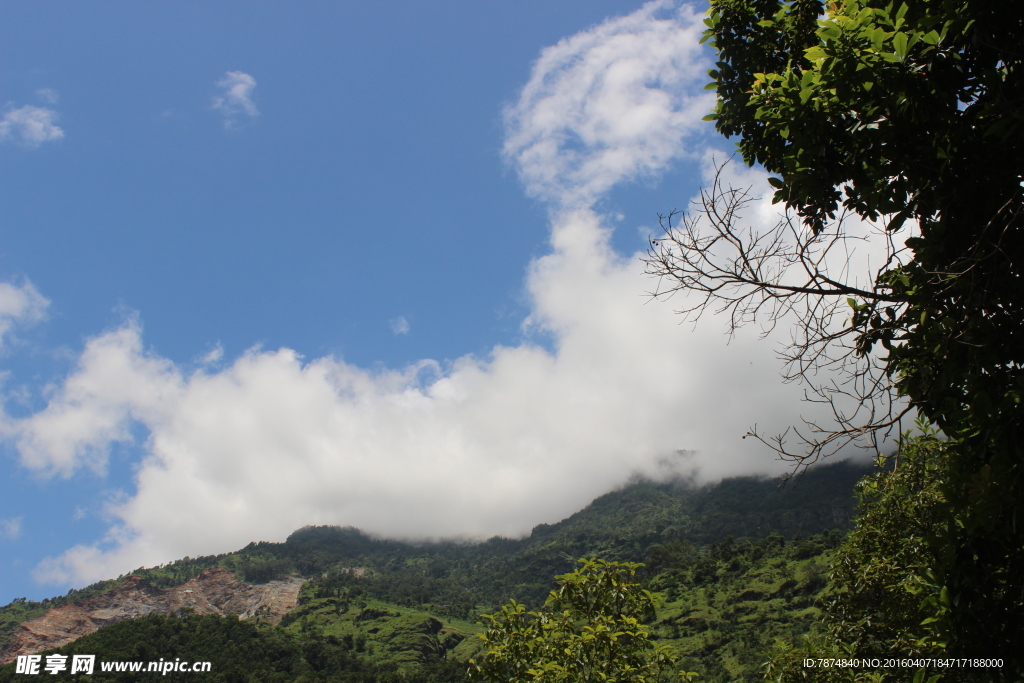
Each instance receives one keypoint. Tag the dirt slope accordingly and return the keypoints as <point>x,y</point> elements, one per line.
<point>215,591</point>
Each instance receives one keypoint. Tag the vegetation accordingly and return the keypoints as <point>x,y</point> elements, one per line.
<point>721,608</point>
<point>884,597</point>
<point>905,115</point>
<point>591,629</point>
<point>902,114</point>
<point>909,113</point>
<point>884,570</point>
<point>239,651</point>
<point>461,580</point>
<point>725,608</point>
<point>385,610</point>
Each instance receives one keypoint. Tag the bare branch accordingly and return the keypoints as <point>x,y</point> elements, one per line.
<point>788,273</point>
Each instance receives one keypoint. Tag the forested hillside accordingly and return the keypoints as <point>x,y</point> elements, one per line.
<point>737,563</point>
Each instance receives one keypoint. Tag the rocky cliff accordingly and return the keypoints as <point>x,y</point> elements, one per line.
<point>215,591</point>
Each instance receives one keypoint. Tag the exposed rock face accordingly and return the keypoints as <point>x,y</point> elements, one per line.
<point>215,591</point>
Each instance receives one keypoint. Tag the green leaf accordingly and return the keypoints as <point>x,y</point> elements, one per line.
<point>829,31</point>
<point>815,53</point>
<point>899,43</point>
<point>878,36</point>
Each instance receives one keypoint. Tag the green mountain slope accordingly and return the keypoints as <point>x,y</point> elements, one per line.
<point>384,608</point>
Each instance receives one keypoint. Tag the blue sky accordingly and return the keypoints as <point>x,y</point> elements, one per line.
<point>267,265</point>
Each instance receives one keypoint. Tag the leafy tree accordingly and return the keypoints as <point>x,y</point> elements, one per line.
<point>906,115</point>
<point>590,629</point>
<point>913,110</point>
<point>883,572</point>
<point>903,113</point>
<point>885,598</point>
<point>882,586</point>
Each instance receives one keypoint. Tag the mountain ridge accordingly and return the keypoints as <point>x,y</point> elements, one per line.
<point>414,604</point>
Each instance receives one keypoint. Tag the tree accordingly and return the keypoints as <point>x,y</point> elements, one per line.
<point>775,276</point>
<point>880,578</point>
<point>907,115</point>
<point>590,629</point>
<point>884,598</point>
<point>880,589</point>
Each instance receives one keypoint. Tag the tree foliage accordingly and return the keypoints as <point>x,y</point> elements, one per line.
<point>239,652</point>
<point>886,594</point>
<point>884,591</point>
<point>726,606</point>
<point>591,629</point>
<point>911,112</point>
<point>906,115</point>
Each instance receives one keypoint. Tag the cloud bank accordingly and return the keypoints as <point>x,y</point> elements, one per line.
<point>235,103</point>
<point>469,448</point>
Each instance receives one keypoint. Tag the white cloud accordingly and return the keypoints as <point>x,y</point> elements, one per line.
<point>611,103</point>
<point>236,101</point>
<point>399,325</point>
<point>487,447</point>
<point>10,529</point>
<point>115,382</point>
<point>22,305</point>
<point>480,446</point>
<point>30,126</point>
<point>213,356</point>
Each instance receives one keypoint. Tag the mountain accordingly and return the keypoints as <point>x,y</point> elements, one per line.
<point>737,562</point>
